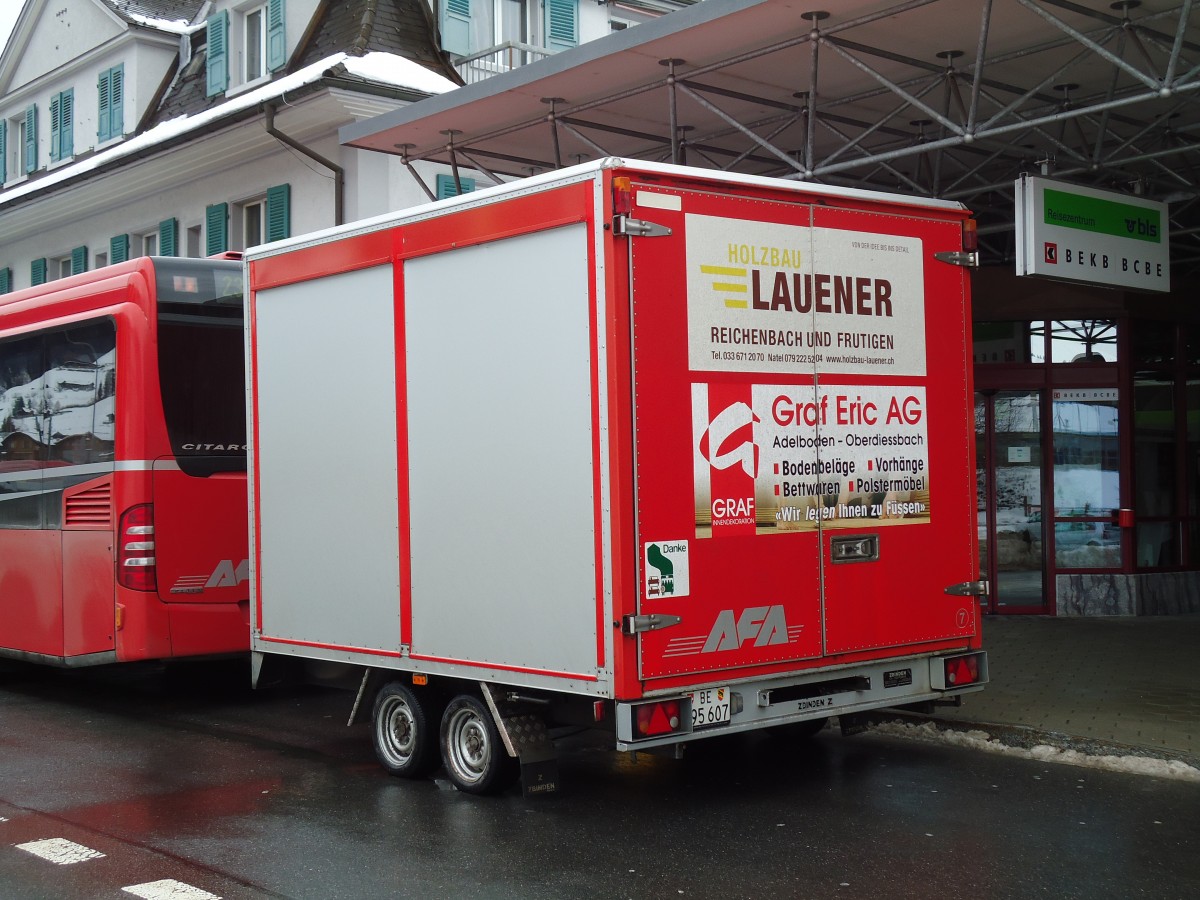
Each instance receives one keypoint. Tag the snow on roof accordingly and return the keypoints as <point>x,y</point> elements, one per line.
<point>382,68</point>
<point>173,26</point>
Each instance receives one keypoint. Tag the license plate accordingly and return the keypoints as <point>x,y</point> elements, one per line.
<point>710,707</point>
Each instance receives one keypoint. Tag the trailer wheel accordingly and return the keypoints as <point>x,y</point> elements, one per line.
<point>472,751</point>
<point>404,739</point>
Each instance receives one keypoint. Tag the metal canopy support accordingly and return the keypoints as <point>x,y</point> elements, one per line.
<point>1135,118</point>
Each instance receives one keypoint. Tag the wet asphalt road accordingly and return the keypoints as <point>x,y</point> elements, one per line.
<point>244,795</point>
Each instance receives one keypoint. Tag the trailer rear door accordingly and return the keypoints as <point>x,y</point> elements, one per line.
<point>895,378</point>
<point>780,360</point>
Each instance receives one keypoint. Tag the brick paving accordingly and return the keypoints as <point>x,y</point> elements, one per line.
<point>1120,684</point>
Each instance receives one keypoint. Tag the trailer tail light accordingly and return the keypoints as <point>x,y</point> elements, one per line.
<point>959,671</point>
<point>970,235</point>
<point>660,717</point>
<point>136,563</point>
<point>962,670</point>
<point>622,196</point>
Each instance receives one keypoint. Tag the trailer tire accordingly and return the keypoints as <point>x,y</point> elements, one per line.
<point>404,738</point>
<point>473,753</point>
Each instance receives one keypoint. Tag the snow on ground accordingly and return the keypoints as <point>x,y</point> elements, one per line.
<point>928,732</point>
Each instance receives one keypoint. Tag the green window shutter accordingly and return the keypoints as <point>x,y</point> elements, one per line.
<point>55,126</point>
<point>118,248</point>
<point>168,237</point>
<point>3,151</point>
<point>66,124</point>
<point>31,142</point>
<point>279,212</point>
<point>5,280</point>
<point>112,103</point>
<point>276,39</point>
<point>562,24</point>
<point>216,227</point>
<point>79,260</point>
<point>218,53</point>
<point>37,271</point>
<point>104,116</point>
<point>456,26</point>
<point>118,101</point>
<point>447,188</point>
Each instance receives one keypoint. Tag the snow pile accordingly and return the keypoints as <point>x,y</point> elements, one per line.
<point>981,740</point>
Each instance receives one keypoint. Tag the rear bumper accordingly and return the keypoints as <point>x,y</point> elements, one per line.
<point>769,702</point>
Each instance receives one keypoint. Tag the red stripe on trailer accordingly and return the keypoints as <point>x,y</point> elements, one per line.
<point>332,258</point>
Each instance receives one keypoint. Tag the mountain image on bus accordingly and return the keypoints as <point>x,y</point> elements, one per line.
<point>123,530</point>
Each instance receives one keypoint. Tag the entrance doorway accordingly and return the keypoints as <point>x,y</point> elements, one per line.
<point>1048,487</point>
<point>1009,485</point>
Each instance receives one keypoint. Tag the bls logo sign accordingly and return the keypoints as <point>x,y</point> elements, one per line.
<point>727,444</point>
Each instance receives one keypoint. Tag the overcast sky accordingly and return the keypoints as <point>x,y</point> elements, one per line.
<point>9,10</point>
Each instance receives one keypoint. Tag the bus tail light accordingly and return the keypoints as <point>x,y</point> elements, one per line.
<point>660,717</point>
<point>136,564</point>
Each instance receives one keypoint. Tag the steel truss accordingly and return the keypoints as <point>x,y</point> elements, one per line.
<point>1112,104</point>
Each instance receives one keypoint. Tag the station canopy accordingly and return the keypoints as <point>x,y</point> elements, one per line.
<point>939,98</point>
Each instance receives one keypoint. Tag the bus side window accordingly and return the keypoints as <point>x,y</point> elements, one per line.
<point>80,389</point>
<point>23,450</point>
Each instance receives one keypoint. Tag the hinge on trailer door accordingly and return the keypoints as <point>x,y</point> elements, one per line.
<point>968,258</point>
<point>969,588</point>
<point>651,622</point>
<point>623,225</point>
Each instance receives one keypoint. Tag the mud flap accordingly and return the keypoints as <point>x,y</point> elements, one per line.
<point>854,723</point>
<point>525,737</point>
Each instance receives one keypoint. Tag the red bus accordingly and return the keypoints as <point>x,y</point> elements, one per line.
<point>123,530</point>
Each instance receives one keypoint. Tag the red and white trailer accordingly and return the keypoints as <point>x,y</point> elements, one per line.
<point>637,445</point>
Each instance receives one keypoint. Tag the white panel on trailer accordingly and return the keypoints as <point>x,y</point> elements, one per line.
<point>500,442</point>
<point>327,516</point>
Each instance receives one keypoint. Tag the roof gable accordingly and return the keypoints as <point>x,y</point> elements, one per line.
<point>46,38</point>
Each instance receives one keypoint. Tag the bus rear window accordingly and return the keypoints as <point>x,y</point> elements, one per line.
<point>201,364</point>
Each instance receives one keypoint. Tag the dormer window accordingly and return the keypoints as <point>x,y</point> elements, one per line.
<point>255,34</point>
<point>254,50</point>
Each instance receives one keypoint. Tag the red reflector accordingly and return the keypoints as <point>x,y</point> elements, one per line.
<point>657,718</point>
<point>136,564</point>
<point>962,670</point>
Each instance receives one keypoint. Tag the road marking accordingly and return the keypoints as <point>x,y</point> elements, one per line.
<point>168,889</point>
<point>60,851</point>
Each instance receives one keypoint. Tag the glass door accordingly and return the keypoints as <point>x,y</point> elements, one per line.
<point>1009,483</point>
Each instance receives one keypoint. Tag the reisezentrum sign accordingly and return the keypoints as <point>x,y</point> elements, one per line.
<point>1099,237</point>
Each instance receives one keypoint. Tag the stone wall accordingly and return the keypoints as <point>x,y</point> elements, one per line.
<point>1155,594</point>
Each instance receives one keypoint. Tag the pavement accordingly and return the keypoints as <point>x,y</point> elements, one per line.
<point>1126,686</point>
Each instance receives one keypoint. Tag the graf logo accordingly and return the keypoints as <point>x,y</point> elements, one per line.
<point>764,625</point>
<point>729,439</point>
